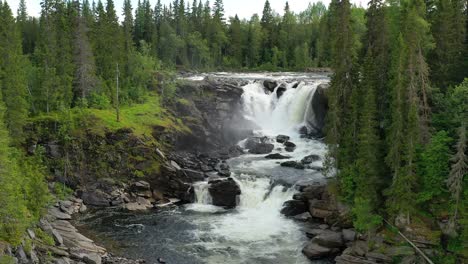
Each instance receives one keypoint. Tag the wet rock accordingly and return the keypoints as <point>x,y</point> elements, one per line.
<point>289,146</point>
<point>262,148</point>
<point>277,156</point>
<point>315,251</point>
<point>254,141</point>
<point>292,164</point>
<point>224,192</point>
<point>304,217</point>
<point>309,159</point>
<point>329,239</point>
<point>303,130</point>
<point>282,138</point>
<point>21,255</point>
<point>280,91</point>
<point>224,170</point>
<point>270,85</point>
<point>293,208</point>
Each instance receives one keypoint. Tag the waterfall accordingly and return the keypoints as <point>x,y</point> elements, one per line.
<point>279,115</point>
<point>202,194</point>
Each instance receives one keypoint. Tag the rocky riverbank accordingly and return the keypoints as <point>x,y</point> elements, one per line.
<point>55,240</point>
<point>332,235</point>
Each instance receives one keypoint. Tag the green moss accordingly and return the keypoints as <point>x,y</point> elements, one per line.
<point>183,101</point>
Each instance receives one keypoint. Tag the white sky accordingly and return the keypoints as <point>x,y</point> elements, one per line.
<point>243,8</point>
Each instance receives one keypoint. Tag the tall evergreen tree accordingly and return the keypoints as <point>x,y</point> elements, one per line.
<point>13,82</point>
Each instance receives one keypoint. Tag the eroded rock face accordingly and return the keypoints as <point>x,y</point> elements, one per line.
<point>213,114</point>
<point>270,85</point>
<point>224,192</point>
<point>316,122</point>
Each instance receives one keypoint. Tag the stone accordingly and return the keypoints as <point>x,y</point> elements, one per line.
<point>92,258</point>
<point>277,156</point>
<point>270,85</point>
<point>57,237</point>
<point>175,165</point>
<point>55,212</point>
<point>83,208</point>
<point>360,248</point>
<point>282,139</point>
<point>224,192</point>
<point>293,208</point>
<point>140,186</point>
<point>315,251</point>
<point>304,217</point>
<point>289,146</point>
<point>309,159</point>
<point>349,235</point>
<point>96,198</point>
<point>251,142</point>
<point>280,91</point>
<point>31,233</point>
<point>194,175</point>
<point>62,261</point>
<point>324,226</point>
<point>379,257</point>
<point>329,239</point>
<point>292,164</point>
<point>262,148</point>
<point>21,255</point>
<point>313,232</point>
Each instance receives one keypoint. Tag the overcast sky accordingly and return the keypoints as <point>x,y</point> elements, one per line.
<point>243,8</point>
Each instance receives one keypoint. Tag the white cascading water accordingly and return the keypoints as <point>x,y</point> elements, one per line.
<point>256,229</point>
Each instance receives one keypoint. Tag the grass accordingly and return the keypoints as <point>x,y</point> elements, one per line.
<point>140,118</point>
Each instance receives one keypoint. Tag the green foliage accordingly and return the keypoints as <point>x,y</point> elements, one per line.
<point>44,237</point>
<point>61,191</point>
<point>365,220</point>
<point>434,166</point>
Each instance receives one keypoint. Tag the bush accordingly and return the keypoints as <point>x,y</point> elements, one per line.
<point>62,191</point>
<point>99,101</point>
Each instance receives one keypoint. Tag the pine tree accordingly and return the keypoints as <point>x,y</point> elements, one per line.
<point>236,42</point>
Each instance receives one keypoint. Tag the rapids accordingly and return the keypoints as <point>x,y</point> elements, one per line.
<point>253,232</point>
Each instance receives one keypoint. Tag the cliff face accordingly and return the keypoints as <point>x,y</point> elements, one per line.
<point>212,110</point>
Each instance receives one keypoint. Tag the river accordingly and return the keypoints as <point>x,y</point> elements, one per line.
<point>253,232</point>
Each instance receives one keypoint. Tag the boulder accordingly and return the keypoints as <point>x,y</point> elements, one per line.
<point>96,198</point>
<point>311,192</point>
<point>309,159</point>
<point>329,239</point>
<point>277,156</point>
<point>270,85</point>
<point>224,192</point>
<point>292,164</point>
<point>140,186</point>
<point>349,235</point>
<point>254,141</point>
<point>289,146</point>
<point>194,175</point>
<point>293,208</point>
<point>315,251</point>
<point>140,204</point>
<point>262,148</point>
<point>57,214</point>
<point>224,170</point>
<point>280,91</point>
<point>313,232</point>
<point>282,138</point>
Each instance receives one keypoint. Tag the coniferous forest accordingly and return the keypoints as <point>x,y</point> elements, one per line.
<point>396,127</point>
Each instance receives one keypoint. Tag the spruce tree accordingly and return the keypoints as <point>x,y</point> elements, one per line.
<point>13,75</point>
